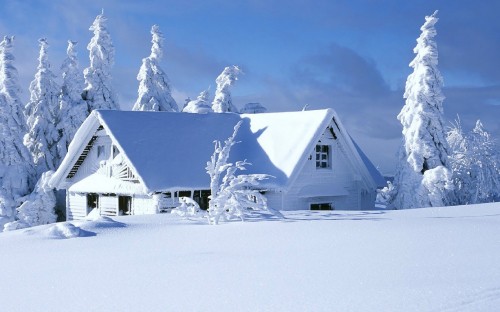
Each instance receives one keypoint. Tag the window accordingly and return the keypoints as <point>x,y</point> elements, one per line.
<point>184,194</point>
<point>323,206</point>
<point>322,156</point>
<point>100,151</point>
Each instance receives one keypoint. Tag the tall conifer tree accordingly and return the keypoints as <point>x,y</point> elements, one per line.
<point>42,113</point>
<point>423,178</point>
<point>154,89</point>
<point>16,165</point>
<point>98,92</point>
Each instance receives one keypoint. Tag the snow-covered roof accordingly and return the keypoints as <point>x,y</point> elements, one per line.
<point>170,150</point>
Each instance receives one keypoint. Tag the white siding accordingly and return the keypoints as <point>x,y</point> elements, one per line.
<point>273,200</point>
<point>341,174</point>
<point>143,205</point>
<point>108,205</point>
<point>77,206</point>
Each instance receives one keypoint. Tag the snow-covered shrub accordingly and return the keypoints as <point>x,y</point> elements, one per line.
<point>475,164</point>
<point>222,102</point>
<point>384,195</point>
<point>199,106</point>
<point>188,208</point>
<point>38,207</point>
<point>154,89</point>
<point>424,139</point>
<point>232,195</point>
<point>98,92</point>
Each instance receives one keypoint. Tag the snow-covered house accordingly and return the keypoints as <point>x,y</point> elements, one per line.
<point>128,162</point>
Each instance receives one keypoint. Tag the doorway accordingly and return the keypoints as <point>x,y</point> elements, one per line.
<point>124,205</point>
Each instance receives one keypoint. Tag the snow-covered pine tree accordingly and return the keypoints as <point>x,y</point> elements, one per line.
<point>73,109</point>
<point>16,165</point>
<point>232,195</point>
<point>98,92</point>
<point>423,177</point>
<point>199,106</point>
<point>475,164</point>
<point>154,89</point>
<point>222,102</point>
<point>42,112</point>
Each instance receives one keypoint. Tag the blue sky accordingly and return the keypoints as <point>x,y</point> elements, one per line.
<point>352,55</point>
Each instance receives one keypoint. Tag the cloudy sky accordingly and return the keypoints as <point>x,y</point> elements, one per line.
<point>350,55</point>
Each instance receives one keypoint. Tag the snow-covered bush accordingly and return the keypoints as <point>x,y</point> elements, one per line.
<point>42,112</point>
<point>475,164</point>
<point>188,208</point>
<point>199,106</point>
<point>73,109</point>
<point>222,102</point>
<point>98,91</point>
<point>424,139</point>
<point>384,195</point>
<point>38,207</point>
<point>232,195</point>
<point>154,89</point>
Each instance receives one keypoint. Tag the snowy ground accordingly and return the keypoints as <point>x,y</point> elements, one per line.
<point>445,259</point>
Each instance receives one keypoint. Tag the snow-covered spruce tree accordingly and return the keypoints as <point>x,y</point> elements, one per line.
<point>475,164</point>
<point>222,102</point>
<point>73,109</point>
<point>423,177</point>
<point>232,195</point>
<point>42,112</point>
<point>16,165</point>
<point>154,90</point>
<point>38,207</point>
<point>98,91</point>
<point>199,106</point>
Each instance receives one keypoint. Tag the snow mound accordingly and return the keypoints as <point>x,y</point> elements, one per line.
<point>65,230</point>
<point>101,222</point>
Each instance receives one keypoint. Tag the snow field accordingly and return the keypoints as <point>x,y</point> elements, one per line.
<point>439,259</point>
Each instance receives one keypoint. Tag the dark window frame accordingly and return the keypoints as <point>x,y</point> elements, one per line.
<point>323,156</point>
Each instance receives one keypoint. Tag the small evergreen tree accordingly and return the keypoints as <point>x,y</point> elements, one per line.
<point>16,165</point>
<point>42,113</point>
<point>199,106</point>
<point>154,90</point>
<point>98,91</point>
<point>423,158</point>
<point>73,109</point>
<point>222,102</point>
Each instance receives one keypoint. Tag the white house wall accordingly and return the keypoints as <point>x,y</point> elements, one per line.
<point>77,206</point>
<point>91,162</point>
<point>341,175</point>
<point>108,205</point>
<point>143,205</point>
